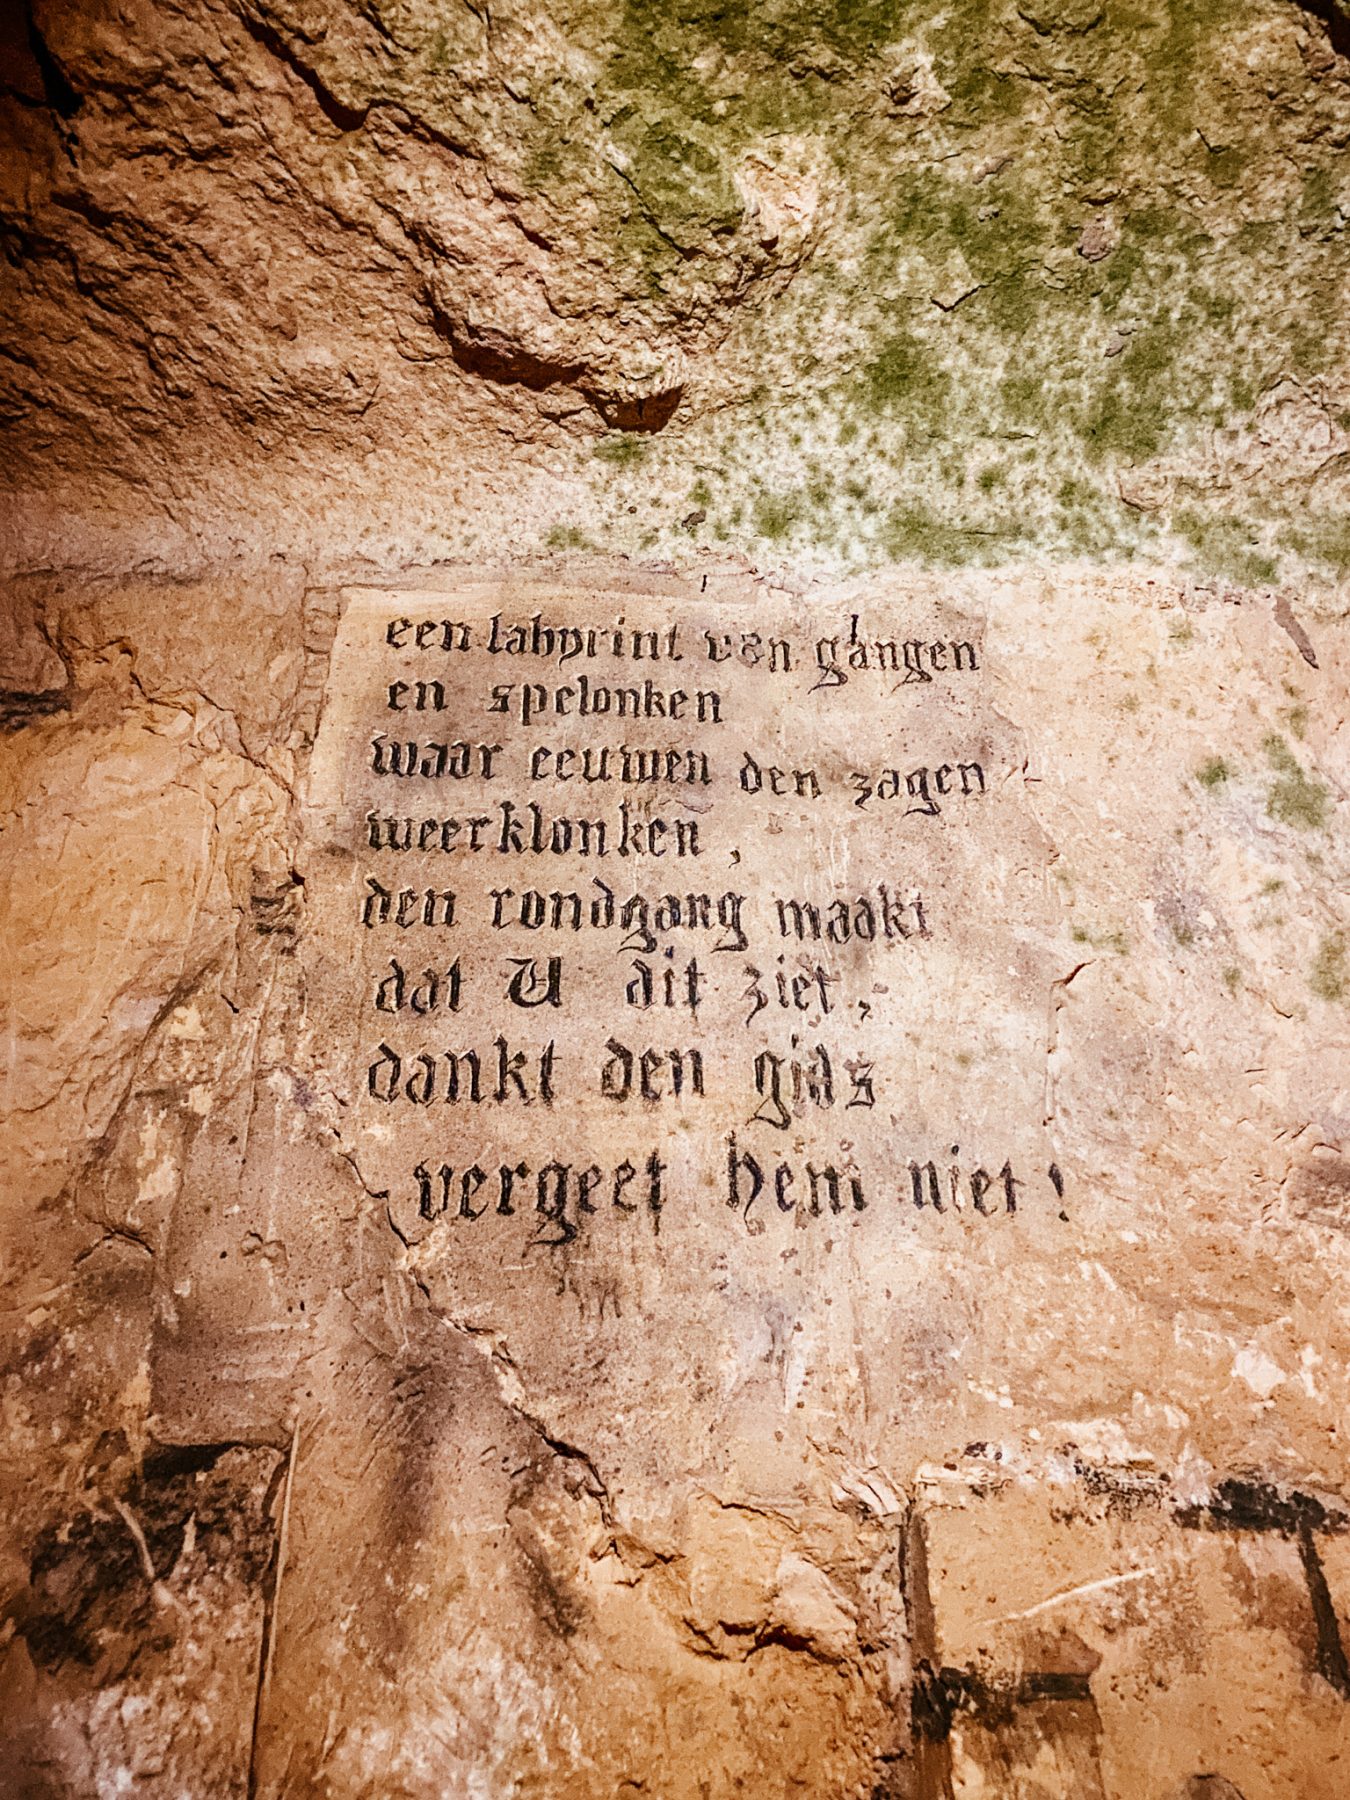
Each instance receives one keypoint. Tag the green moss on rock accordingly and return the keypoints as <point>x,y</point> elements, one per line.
<point>1294,798</point>
<point>1329,978</point>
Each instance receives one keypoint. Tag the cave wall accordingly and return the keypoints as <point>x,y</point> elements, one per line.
<point>823,285</point>
<point>1018,327</point>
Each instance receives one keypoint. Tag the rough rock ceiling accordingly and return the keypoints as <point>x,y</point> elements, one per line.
<point>827,281</point>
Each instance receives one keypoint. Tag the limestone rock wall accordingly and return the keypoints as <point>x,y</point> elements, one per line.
<point>823,284</point>
<point>989,358</point>
<point>304,1501</point>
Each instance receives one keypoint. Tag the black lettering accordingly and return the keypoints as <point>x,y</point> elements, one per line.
<point>389,992</point>
<point>469,1183</point>
<point>470,1060</point>
<point>375,907</point>
<point>616,1072</point>
<point>736,1162</point>
<point>382,1075</point>
<point>622,1176</point>
<point>803,916</point>
<point>827,662</point>
<point>918,1175</point>
<point>507,1176</point>
<point>421,1083</point>
<point>917,785</point>
<point>526,988</point>
<point>772,1109</point>
<point>551,1204</point>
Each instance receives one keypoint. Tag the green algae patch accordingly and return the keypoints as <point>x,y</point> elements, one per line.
<point>905,379</point>
<point>1293,798</point>
<point>1329,978</point>
<point>1052,256</point>
<point>917,533</point>
<point>622,452</point>
<point>1321,539</point>
<point>1114,941</point>
<point>1225,545</point>
<point>776,514</point>
<point>1213,773</point>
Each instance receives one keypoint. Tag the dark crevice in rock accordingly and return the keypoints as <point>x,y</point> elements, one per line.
<point>20,76</point>
<point>650,415</point>
<point>516,367</point>
<point>275,905</point>
<point>1331,1660</point>
<point>274,1509</point>
<point>412,125</point>
<point>90,1603</point>
<point>1335,15</point>
<point>343,117</point>
<point>1288,621</point>
<point>170,1461</point>
<point>513,368</point>
<point>929,1715</point>
<point>61,96</point>
<point>121,1236</point>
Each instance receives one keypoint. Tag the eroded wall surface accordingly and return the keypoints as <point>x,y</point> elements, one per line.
<point>673,878</point>
<point>827,283</point>
<point>633,1181</point>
